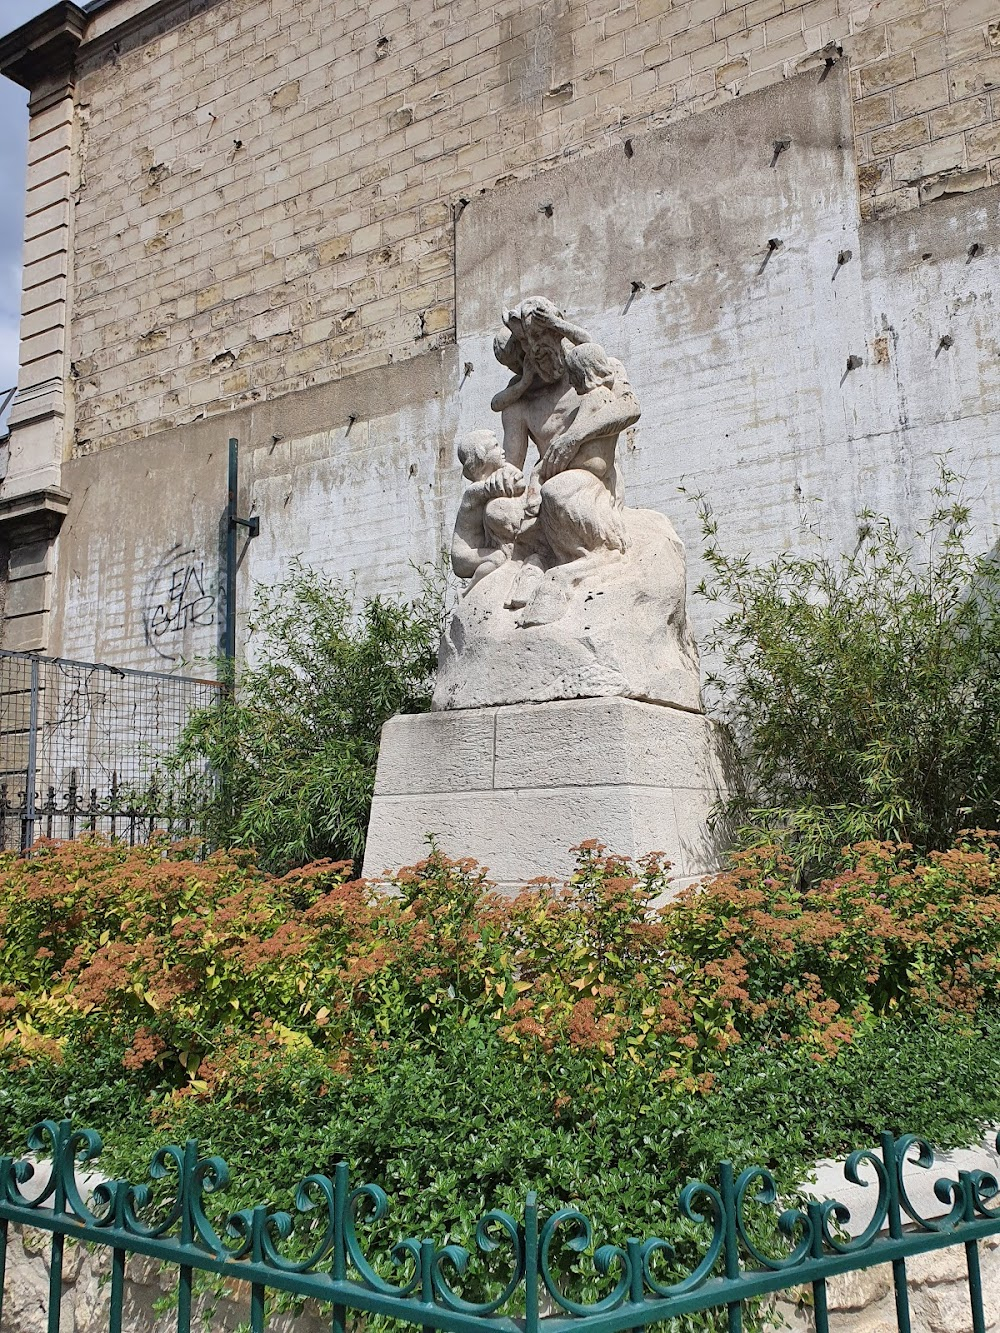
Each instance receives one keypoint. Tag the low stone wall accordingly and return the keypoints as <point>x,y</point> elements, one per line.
<point>863,1302</point>
<point>150,1294</point>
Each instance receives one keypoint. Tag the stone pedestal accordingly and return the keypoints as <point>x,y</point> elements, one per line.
<point>517,786</point>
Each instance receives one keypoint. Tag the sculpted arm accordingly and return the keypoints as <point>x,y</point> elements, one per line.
<point>599,415</point>
<point>515,435</point>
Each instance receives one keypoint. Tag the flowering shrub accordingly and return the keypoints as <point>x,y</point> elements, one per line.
<point>460,1048</point>
<point>205,975</point>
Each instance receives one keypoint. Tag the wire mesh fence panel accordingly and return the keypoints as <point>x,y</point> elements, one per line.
<point>83,749</point>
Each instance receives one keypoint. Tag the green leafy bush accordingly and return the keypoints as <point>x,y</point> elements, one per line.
<point>862,690</point>
<point>293,750</point>
<point>461,1048</point>
<point>210,972</point>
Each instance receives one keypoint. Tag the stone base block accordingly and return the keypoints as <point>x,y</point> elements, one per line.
<point>517,787</point>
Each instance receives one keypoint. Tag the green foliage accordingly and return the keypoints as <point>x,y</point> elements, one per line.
<point>460,1048</point>
<point>204,975</point>
<point>293,751</point>
<point>452,1129</point>
<point>862,690</point>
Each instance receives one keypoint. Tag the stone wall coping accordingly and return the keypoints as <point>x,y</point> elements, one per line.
<point>827,1180</point>
<point>33,516</point>
<point>48,42</point>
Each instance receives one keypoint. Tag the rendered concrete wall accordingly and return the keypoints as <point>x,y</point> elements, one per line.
<point>354,478</point>
<point>739,352</point>
<point>740,367</point>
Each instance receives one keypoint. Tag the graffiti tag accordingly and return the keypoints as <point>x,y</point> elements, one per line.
<point>178,598</point>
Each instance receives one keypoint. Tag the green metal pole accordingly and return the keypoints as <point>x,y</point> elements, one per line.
<point>972,1255</point>
<point>531,1263</point>
<point>894,1169</point>
<point>118,1263</point>
<point>727,1188</point>
<point>186,1184</point>
<point>257,1308</point>
<point>821,1313</point>
<point>427,1277</point>
<point>58,1240</point>
<point>229,637</point>
<point>3,1262</point>
<point>341,1194</point>
<point>117,1290</point>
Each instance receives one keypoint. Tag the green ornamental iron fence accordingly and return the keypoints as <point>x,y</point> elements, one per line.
<point>317,1253</point>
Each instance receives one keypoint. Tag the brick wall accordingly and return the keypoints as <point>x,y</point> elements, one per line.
<point>268,187</point>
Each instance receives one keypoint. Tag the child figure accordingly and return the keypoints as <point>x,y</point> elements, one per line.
<point>491,510</point>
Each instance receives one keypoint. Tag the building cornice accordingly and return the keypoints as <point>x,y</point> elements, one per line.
<point>44,48</point>
<point>35,516</point>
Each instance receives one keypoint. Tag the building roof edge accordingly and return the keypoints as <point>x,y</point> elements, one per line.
<point>43,44</point>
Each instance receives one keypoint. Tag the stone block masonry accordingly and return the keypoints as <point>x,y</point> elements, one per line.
<point>266,189</point>
<point>517,787</point>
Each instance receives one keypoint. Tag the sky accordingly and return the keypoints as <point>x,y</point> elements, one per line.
<point>13,145</point>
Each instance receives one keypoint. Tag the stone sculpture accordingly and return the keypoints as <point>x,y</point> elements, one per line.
<point>567,703</point>
<point>492,510</point>
<point>572,595</point>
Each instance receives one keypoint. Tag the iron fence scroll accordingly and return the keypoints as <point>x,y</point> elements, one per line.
<point>83,748</point>
<point>315,1250</point>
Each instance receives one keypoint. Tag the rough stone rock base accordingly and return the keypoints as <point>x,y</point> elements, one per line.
<point>517,787</point>
<point>863,1301</point>
<point>623,631</point>
<point>150,1304</point>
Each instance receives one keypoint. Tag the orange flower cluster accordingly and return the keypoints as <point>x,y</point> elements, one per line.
<point>213,971</point>
<point>146,1049</point>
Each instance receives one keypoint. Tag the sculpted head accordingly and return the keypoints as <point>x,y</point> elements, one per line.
<point>480,454</point>
<point>589,367</point>
<point>537,325</point>
<point>509,351</point>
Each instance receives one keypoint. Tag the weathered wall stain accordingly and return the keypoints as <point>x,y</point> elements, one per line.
<point>285,215</point>
<point>741,374</point>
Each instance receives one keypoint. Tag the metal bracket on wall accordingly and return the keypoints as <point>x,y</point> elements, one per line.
<point>251,524</point>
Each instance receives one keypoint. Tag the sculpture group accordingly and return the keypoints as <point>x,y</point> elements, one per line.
<point>572,401</point>
<point>540,543</point>
<point>567,704</point>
